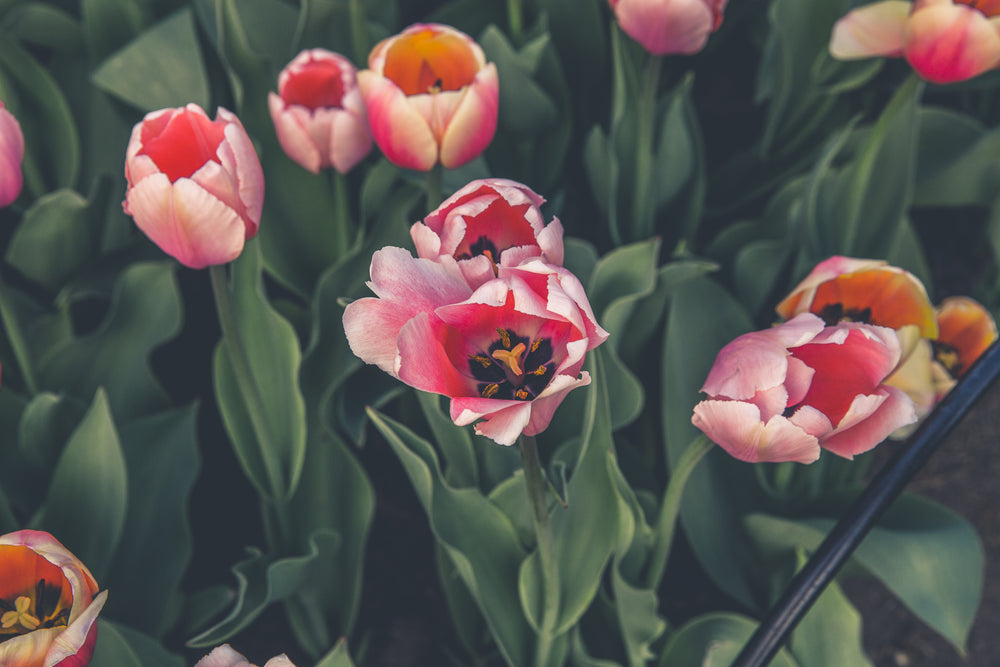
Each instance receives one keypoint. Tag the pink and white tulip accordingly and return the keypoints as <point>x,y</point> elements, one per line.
<point>318,113</point>
<point>49,603</point>
<point>506,353</point>
<point>431,97</point>
<point>225,656</point>
<point>11,155</point>
<point>195,185</point>
<point>487,223</point>
<point>784,393</point>
<point>669,26</point>
<point>945,41</point>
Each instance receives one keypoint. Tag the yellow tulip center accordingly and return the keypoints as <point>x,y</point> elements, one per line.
<point>428,61</point>
<point>34,593</point>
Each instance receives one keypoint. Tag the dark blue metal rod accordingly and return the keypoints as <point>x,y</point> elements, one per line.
<point>847,534</point>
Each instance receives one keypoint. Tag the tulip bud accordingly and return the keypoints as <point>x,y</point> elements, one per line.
<point>195,185</point>
<point>11,154</point>
<point>431,97</point>
<point>669,26</point>
<point>318,112</point>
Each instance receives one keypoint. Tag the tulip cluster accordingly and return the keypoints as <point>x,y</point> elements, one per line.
<point>945,41</point>
<point>482,316</point>
<point>863,355</point>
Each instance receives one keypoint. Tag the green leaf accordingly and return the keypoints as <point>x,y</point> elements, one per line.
<point>86,503</point>
<point>454,441</point>
<point>953,160</point>
<point>337,657</point>
<point>262,581</point>
<point>930,557</point>
<point>110,24</point>
<point>478,537</point>
<point>620,278</point>
<point>524,106</point>
<point>44,25</point>
<point>144,313</point>
<point>272,349</point>
<point>829,635</point>
<point>150,653</point>
<point>714,640</point>
<point>161,457</point>
<point>52,146</point>
<point>46,425</point>
<point>757,269</point>
<point>160,68</point>
<point>54,240</point>
<point>702,319</point>
<point>112,648</point>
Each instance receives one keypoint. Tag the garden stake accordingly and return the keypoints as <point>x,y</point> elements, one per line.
<point>861,517</point>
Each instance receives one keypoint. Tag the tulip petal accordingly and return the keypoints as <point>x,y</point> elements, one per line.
<point>424,362</point>
<point>398,128</point>
<point>504,420</point>
<point>470,130</point>
<point>223,656</point>
<point>75,646</point>
<point>295,139</point>
<point>872,30</point>
<point>679,26</point>
<point>894,411</point>
<point>947,43</point>
<point>736,427</point>
<point>544,407</point>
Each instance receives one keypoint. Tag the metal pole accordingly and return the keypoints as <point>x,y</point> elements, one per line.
<point>847,534</point>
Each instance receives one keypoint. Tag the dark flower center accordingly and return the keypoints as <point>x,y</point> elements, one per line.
<point>513,367</point>
<point>832,313</point>
<point>36,609</point>
<point>948,356</point>
<point>482,246</point>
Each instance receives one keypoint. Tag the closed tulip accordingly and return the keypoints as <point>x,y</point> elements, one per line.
<point>945,41</point>
<point>11,154</point>
<point>431,97</point>
<point>49,603</point>
<point>669,26</point>
<point>318,112</point>
<point>785,393</point>
<point>195,185</point>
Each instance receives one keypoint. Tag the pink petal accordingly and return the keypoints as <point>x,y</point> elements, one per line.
<point>872,30</point>
<point>74,646</point>
<point>946,43</point>
<point>544,407</point>
<point>11,155</point>
<point>504,420</point>
<point>895,411</point>
<point>416,284</point>
<point>398,128</point>
<point>736,427</point>
<point>679,26</point>
<point>295,139</point>
<point>350,139</point>
<point>223,656</point>
<point>424,362</point>
<point>471,128</point>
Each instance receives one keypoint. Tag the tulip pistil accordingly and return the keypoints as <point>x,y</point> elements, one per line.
<point>513,367</point>
<point>20,615</point>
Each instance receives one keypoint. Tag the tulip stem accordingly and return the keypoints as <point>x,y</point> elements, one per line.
<point>666,523</point>
<point>434,196</point>
<point>359,32</point>
<point>515,20</point>
<point>343,236</point>
<point>250,393</point>
<point>535,484</point>
<point>643,209</point>
<point>17,341</point>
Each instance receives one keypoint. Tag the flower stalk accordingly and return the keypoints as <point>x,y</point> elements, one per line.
<point>536,487</point>
<point>643,210</point>
<point>18,342</point>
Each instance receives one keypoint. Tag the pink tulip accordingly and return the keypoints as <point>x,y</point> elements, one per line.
<point>431,97</point>
<point>195,185</point>
<point>225,656</point>
<point>318,112</point>
<point>49,603</point>
<point>506,353</point>
<point>783,393</point>
<point>943,40</point>
<point>487,223</point>
<point>669,26</point>
<point>11,154</point>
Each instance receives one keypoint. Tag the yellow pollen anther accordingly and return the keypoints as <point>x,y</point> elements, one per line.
<point>511,358</point>
<point>20,615</point>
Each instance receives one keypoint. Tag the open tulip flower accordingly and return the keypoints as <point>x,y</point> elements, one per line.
<point>225,656</point>
<point>49,603</point>
<point>784,393</point>
<point>966,329</point>
<point>862,290</point>
<point>318,112</point>
<point>506,353</point>
<point>487,223</point>
<point>945,41</point>
<point>431,97</point>
<point>669,26</point>
<point>11,154</point>
<point>195,185</point>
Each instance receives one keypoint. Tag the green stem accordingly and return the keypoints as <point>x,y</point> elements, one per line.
<point>667,521</point>
<point>537,491</point>
<point>434,196</point>
<point>17,341</point>
<point>515,20</point>
<point>343,225</point>
<point>643,210</point>
<point>249,391</point>
<point>359,33</point>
